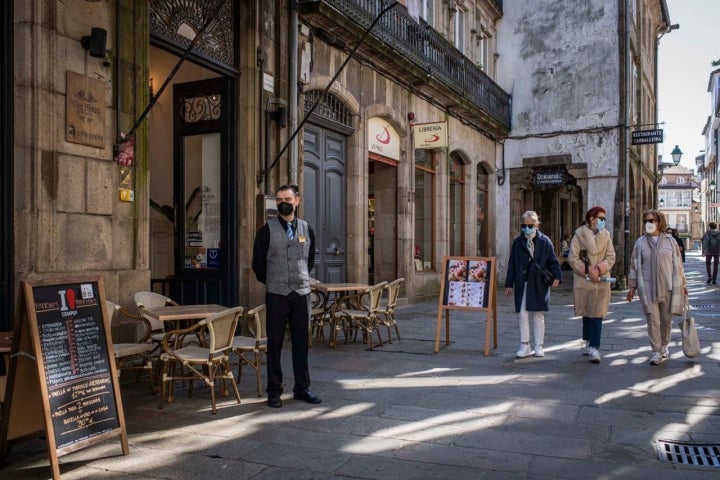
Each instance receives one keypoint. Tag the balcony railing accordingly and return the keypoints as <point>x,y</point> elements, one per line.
<point>427,59</point>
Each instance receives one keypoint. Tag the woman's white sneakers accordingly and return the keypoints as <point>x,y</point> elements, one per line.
<point>595,356</point>
<point>657,359</point>
<point>524,351</point>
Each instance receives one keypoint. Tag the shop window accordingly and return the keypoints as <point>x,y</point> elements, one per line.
<point>457,193</point>
<point>424,210</point>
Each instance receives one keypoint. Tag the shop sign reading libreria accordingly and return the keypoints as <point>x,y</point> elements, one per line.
<point>430,135</point>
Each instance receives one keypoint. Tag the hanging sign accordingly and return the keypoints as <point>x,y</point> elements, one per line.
<point>640,137</point>
<point>383,139</point>
<point>430,135</point>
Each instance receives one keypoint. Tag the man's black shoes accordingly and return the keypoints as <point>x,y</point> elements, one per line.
<point>307,397</point>
<point>274,402</point>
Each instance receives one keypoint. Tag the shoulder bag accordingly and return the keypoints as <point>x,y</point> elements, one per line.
<point>690,341</point>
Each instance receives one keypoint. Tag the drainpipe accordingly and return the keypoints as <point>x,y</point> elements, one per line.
<point>293,89</point>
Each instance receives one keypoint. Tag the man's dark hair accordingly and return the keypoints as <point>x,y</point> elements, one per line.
<point>712,225</point>
<point>294,188</point>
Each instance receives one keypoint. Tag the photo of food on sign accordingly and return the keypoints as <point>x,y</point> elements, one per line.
<point>457,270</point>
<point>478,271</point>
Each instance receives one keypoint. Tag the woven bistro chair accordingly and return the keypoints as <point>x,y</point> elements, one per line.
<point>251,339</point>
<point>134,355</point>
<point>357,312</point>
<point>386,310</point>
<point>207,363</point>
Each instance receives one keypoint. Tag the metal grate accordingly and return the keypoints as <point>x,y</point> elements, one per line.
<point>686,453</point>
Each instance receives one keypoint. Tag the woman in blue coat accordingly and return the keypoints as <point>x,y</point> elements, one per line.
<point>530,254</point>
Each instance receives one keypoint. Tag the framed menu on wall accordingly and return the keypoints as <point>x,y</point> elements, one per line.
<point>468,283</point>
<point>62,381</point>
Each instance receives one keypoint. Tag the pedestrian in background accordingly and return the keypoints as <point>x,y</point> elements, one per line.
<point>591,257</point>
<point>678,240</point>
<point>657,275</point>
<point>711,250</point>
<point>565,251</point>
<point>283,255</point>
<point>531,253</point>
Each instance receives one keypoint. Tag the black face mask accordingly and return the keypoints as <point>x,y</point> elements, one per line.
<point>285,208</point>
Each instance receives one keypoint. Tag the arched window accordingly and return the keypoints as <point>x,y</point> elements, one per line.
<point>456,214</point>
<point>481,208</point>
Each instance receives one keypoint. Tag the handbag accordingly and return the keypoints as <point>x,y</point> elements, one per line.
<point>690,341</point>
<point>547,277</point>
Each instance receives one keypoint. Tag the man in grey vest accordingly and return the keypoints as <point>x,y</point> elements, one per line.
<point>283,255</point>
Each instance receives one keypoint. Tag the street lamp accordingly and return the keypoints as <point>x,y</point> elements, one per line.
<point>662,202</point>
<point>713,186</point>
<point>676,155</point>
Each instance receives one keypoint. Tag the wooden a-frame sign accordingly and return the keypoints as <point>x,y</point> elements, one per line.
<point>62,380</point>
<point>467,283</point>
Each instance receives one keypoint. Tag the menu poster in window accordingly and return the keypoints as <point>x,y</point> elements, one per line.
<point>467,283</point>
<point>62,358</point>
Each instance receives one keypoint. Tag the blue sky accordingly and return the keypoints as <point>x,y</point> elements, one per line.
<point>684,58</point>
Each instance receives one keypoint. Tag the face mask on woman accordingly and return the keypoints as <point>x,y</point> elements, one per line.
<point>528,230</point>
<point>650,227</point>
<point>600,224</point>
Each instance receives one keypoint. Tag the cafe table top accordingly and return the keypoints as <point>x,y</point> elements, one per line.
<point>340,287</point>
<point>173,313</point>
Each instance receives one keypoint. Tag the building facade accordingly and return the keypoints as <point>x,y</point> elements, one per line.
<point>676,189</point>
<point>143,141</point>
<point>583,76</point>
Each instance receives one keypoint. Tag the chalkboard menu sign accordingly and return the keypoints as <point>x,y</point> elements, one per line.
<point>468,283</point>
<point>62,378</point>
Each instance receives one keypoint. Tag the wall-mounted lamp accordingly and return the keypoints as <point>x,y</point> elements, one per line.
<point>500,174</point>
<point>570,183</point>
<point>662,202</point>
<point>695,209</point>
<point>96,42</point>
<point>676,155</point>
<point>713,185</point>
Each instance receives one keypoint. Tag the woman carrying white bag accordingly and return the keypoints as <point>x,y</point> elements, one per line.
<point>657,274</point>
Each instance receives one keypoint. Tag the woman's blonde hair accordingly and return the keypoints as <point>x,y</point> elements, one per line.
<point>531,215</point>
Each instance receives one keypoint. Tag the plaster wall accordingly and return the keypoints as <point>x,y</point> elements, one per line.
<point>560,61</point>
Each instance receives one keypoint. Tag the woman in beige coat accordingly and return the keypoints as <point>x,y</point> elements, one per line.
<point>591,257</point>
<point>657,274</point>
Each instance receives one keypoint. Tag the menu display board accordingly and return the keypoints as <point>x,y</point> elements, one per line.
<point>62,379</point>
<point>468,283</point>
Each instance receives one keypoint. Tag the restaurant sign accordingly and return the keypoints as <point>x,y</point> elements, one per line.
<point>550,178</point>
<point>85,110</point>
<point>430,135</point>
<point>640,137</point>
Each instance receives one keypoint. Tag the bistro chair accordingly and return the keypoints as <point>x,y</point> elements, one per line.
<point>319,314</point>
<point>135,354</point>
<point>252,339</point>
<point>386,310</point>
<point>357,312</point>
<point>207,363</point>
<point>144,300</point>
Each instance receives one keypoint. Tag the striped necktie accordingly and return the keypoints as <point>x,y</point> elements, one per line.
<point>290,231</point>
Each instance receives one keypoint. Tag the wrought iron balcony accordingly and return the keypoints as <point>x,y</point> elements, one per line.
<point>415,55</point>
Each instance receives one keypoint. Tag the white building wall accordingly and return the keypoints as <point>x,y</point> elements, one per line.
<point>560,61</point>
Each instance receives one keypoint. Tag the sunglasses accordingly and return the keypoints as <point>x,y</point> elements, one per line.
<point>600,218</point>
<point>522,225</point>
<point>650,220</point>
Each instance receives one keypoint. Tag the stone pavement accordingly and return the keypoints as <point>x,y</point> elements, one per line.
<point>402,413</point>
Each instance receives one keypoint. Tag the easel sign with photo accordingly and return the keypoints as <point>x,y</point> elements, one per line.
<point>62,380</point>
<point>468,283</point>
